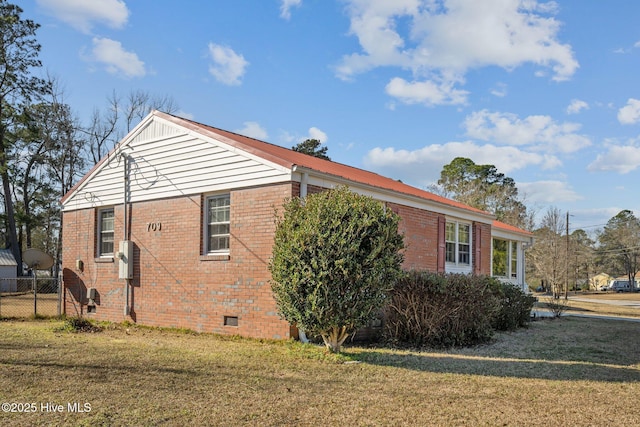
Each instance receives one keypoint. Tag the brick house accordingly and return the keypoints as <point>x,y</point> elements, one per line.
<point>191,248</point>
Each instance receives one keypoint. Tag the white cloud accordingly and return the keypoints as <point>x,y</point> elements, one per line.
<point>537,132</point>
<point>228,67</point>
<point>630,113</point>
<point>285,8</point>
<point>286,137</point>
<point>576,106</point>
<point>312,133</point>
<point>618,158</point>
<point>500,90</point>
<point>592,219</point>
<point>426,92</point>
<point>83,15</point>
<point>548,192</point>
<point>315,133</point>
<point>423,165</point>
<point>116,58</point>
<point>373,22</point>
<point>253,130</point>
<point>447,38</point>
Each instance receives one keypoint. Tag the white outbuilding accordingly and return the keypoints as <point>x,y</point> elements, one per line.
<point>8,270</point>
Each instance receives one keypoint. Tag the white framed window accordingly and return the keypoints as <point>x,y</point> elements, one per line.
<point>105,232</point>
<point>458,243</point>
<point>505,258</point>
<point>217,224</point>
<point>514,260</point>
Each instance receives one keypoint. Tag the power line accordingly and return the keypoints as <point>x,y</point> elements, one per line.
<point>619,250</point>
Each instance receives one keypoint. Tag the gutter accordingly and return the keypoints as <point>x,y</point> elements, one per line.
<point>439,207</point>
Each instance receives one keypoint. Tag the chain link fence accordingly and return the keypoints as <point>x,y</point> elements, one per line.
<point>29,297</point>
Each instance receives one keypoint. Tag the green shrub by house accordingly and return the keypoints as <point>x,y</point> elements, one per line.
<point>441,310</point>
<point>336,255</point>
<point>515,306</point>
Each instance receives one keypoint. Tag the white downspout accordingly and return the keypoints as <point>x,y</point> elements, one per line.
<point>125,156</point>
<point>304,181</point>
<point>523,265</point>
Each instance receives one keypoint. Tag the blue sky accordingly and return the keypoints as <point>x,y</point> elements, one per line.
<point>548,92</point>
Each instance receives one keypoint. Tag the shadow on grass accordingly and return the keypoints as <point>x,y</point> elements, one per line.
<point>499,367</point>
<point>95,368</point>
<point>572,349</point>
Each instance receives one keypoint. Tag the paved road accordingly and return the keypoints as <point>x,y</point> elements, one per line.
<point>625,303</point>
<point>546,313</point>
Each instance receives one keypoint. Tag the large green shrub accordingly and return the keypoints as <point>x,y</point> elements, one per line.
<point>440,310</point>
<point>336,255</point>
<point>515,306</point>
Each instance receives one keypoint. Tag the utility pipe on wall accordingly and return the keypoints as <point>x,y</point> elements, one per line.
<point>304,181</point>
<point>125,156</point>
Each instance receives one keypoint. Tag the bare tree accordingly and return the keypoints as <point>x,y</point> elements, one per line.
<point>548,255</point>
<point>119,117</point>
<point>582,257</point>
<point>102,130</point>
<point>140,103</point>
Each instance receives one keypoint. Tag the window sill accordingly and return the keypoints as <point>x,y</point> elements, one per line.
<point>103,260</point>
<point>217,257</point>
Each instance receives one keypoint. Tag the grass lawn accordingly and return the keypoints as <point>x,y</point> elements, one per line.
<point>628,304</point>
<point>570,371</point>
<point>21,304</point>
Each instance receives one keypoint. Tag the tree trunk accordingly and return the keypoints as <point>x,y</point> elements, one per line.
<point>8,204</point>
<point>334,338</point>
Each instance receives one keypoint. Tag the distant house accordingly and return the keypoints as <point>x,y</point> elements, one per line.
<point>8,271</point>
<point>192,246</point>
<point>598,281</point>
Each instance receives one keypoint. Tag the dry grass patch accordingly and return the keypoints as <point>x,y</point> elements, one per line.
<point>622,304</point>
<point>569,371</point>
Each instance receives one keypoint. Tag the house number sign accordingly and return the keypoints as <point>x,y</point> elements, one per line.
<point>154,226</point>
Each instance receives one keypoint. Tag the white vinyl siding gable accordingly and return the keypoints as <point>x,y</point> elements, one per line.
<point>169,161</point>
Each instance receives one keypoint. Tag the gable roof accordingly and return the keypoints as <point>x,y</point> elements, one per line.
<point>510,228</point>
<point>292,160</point>
<point>7,258</point>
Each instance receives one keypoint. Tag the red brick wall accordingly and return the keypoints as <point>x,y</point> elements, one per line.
<point>174,285</point>
<point>420,230</point>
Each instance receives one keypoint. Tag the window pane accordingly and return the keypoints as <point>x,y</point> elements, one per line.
<point>464,256</point>
<point>106,245</point>
<point>450,234</point>
<point>217,229</point>
<point>514,259</point>
<point>499,257</point>
<point>450,252</point>
<point>218,243</point>
<point>463,234</point>
<point>106,221</point>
